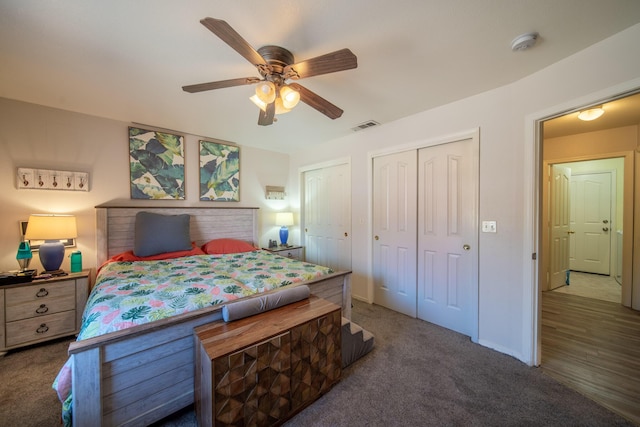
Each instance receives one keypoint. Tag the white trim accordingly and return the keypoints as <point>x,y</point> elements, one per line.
<point>423,143</point>
<point>531,167</point>
<point>322,165</point>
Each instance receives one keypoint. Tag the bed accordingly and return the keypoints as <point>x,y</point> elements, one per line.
<point>142,373</point>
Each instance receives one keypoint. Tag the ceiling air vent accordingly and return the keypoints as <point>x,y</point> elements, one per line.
<point>365,125</point>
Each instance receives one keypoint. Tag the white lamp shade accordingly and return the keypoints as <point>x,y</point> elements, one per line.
<point>51,227</point>
<point>266,92</point>
<point>290,97</point>
<point>261,105</point>
<point>280,108</point>
<point>284,218</point>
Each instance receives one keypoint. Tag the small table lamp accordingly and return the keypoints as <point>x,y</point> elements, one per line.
<point>51,229</point>
<point>24,255</point>
<point>284,219</point>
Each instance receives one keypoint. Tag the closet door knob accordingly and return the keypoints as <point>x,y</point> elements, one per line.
<point>377,238</point>
<point>466,247</point>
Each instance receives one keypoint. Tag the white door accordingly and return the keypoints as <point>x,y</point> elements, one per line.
<point>591,223</point>
<point>559,225</point>
<point>327,217</point>
<point>448,236</point>
<point>395,233</point>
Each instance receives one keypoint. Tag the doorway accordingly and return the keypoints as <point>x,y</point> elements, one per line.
<point>585,241</point>
<point>567,140</point>
<point>572,345</point>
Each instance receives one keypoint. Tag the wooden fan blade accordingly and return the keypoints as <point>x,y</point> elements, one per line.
<point>266,117</point>
<point>316,101</point>
<point>201,87</point>
<point>330,63</point>
<point>228,35</point>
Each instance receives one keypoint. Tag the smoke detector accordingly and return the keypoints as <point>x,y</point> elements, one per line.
<point>524,42</point>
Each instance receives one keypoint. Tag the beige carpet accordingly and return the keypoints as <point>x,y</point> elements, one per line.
<point>418,374</point>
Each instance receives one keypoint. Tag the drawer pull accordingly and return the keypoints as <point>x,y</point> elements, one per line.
<point>42,293</point>
<point>42,309</point>
<point>42,329</point>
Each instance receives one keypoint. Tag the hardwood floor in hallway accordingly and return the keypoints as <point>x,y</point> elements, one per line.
<point>593,346</point>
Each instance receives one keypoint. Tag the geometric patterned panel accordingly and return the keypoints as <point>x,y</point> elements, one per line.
<point>266,383</point>
<point>251,386</point>
<point>316,359</point>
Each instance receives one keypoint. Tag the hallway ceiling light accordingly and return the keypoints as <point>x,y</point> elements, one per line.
<point>591,114</point>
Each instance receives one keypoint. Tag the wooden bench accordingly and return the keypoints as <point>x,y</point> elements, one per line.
<point>263,369</point>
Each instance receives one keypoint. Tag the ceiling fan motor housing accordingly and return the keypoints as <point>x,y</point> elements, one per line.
<point>277,57</point>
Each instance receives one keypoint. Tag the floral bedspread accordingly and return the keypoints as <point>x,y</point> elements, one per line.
<point>134,293</point>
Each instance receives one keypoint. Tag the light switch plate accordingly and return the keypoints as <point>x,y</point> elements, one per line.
<point>489,227</point>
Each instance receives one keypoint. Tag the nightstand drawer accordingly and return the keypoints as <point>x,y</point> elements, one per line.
<point>292,253</point>
<point>40,292</point>
<point>40,328</point>
<point>40,308</point>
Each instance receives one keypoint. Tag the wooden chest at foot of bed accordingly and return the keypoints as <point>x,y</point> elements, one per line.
<point>263,369</point>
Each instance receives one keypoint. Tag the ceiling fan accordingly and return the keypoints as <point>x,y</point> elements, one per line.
<point>276,66</point>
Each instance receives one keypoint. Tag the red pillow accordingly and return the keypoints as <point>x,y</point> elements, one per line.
<point>227,246</point>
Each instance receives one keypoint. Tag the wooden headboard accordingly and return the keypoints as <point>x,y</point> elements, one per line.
<point>115,226</point>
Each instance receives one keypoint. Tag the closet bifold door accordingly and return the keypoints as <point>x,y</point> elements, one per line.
<point>447,235</point>
<point>394,230</point>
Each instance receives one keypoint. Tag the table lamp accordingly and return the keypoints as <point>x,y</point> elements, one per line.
<point>51,229</point>
<point>284,219</point>
<point>24,255</point>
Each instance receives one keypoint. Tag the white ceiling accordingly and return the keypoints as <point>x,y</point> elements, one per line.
<point>127,60</point>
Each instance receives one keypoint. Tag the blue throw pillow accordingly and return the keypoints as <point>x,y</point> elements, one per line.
<point>157,234</point>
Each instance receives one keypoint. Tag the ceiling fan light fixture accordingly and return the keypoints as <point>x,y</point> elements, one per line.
<point>259,103</point>
<point>591,114</point>
<point>266,91</point>
<point>290,97</point>
<point>280,107</point>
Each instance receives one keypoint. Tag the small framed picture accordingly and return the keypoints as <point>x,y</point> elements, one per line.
<point>219,172</point>
<point>156,164</point>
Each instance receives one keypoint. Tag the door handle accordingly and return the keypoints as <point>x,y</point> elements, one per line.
<point>377,238</point>
<point>605,228</point>
<point>346,234</point>
<point>466,247</point>
<point>571,232</point>
<point>605,221</point>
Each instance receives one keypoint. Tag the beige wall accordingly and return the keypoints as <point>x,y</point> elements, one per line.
<point>46,138</point>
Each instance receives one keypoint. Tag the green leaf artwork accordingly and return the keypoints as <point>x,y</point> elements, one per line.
<point>156,161</point>
<point>219,172</point>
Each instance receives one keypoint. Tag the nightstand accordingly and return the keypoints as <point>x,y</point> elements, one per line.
<point>42,310</point>
<point>295,252</point>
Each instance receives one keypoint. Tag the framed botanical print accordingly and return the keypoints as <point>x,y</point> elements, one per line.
<point>219,172</point>
<point>156,164</point>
